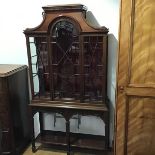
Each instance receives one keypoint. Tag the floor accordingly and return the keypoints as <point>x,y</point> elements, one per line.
<point>45,152</point>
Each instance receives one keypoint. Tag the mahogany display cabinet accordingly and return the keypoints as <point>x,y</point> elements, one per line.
<point>68,74</point>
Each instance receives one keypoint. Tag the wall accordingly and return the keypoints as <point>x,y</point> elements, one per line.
<point>17,15</point>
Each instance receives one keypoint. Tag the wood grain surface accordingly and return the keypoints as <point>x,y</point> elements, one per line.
<point>141,126</point>
<point>135,116</point>
<point>143,53</point>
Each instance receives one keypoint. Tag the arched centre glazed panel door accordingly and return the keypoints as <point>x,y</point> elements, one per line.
<point>65,55</point>
<point>135,108</point>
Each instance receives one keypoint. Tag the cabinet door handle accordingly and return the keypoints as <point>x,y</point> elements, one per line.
<point>5,130</point>
<point>121,89</point>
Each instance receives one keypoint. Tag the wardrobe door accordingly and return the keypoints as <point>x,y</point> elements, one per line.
<point>135,107</point>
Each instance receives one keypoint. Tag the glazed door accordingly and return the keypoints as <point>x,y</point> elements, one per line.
<point>135,107</point>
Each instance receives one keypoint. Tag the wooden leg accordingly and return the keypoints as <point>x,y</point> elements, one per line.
<point>79,121</point>
<point>41,122</point>
<point>68,136</point>
<point>107,130</point>
<point>0,139</point>
<point>33,136</point>
<point>55,119</point>
<point>105,118</point>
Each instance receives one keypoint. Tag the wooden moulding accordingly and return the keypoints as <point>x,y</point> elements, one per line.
<point>76,13</point>
<point>8,69</point>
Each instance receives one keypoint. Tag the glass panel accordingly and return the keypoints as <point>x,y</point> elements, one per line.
<point>65,61</point>
<point>93,68</point>
<point>34,69</point>
<point>36,84</point>
<point>39,61</point>
<point>33,49</point>
<point>31,39</point>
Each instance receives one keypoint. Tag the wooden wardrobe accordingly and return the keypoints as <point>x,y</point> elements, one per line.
<point>135,107</point>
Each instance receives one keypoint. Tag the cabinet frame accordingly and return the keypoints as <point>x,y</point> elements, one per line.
<point>92,98</point>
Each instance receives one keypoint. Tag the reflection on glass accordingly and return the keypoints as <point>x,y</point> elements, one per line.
<point>36,84</point>
<point>65,54</point>
<point>93,68</point>
<point>34,69</point>
<point>33,49</point>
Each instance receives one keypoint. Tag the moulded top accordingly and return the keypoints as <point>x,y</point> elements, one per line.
<point>67,7</point>
<point>74,12</point>
<point>9,69</point>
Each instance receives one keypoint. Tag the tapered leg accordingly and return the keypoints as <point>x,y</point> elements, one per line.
<point>107,130</point>
<point>0,139</point>
<point>33,135</point>
<point>55,119</point>
<point>79,121</point>
<point>68,136</point>
<point>41,122</point>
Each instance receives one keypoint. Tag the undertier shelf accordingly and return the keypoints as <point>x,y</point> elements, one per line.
<point>78,141</point>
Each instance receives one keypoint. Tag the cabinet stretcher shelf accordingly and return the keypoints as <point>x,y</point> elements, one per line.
<point>77,141</point>
<point>69,105</point>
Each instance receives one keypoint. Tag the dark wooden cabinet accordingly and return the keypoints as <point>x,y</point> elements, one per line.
<point>14,113</point>
<point>68,71</point>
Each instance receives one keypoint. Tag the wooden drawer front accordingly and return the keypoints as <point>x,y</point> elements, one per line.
<point>4,119</point>
<point>4,110</point>
<point>3,85</point>
<point>4,102</point>
<point>6,141</point>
